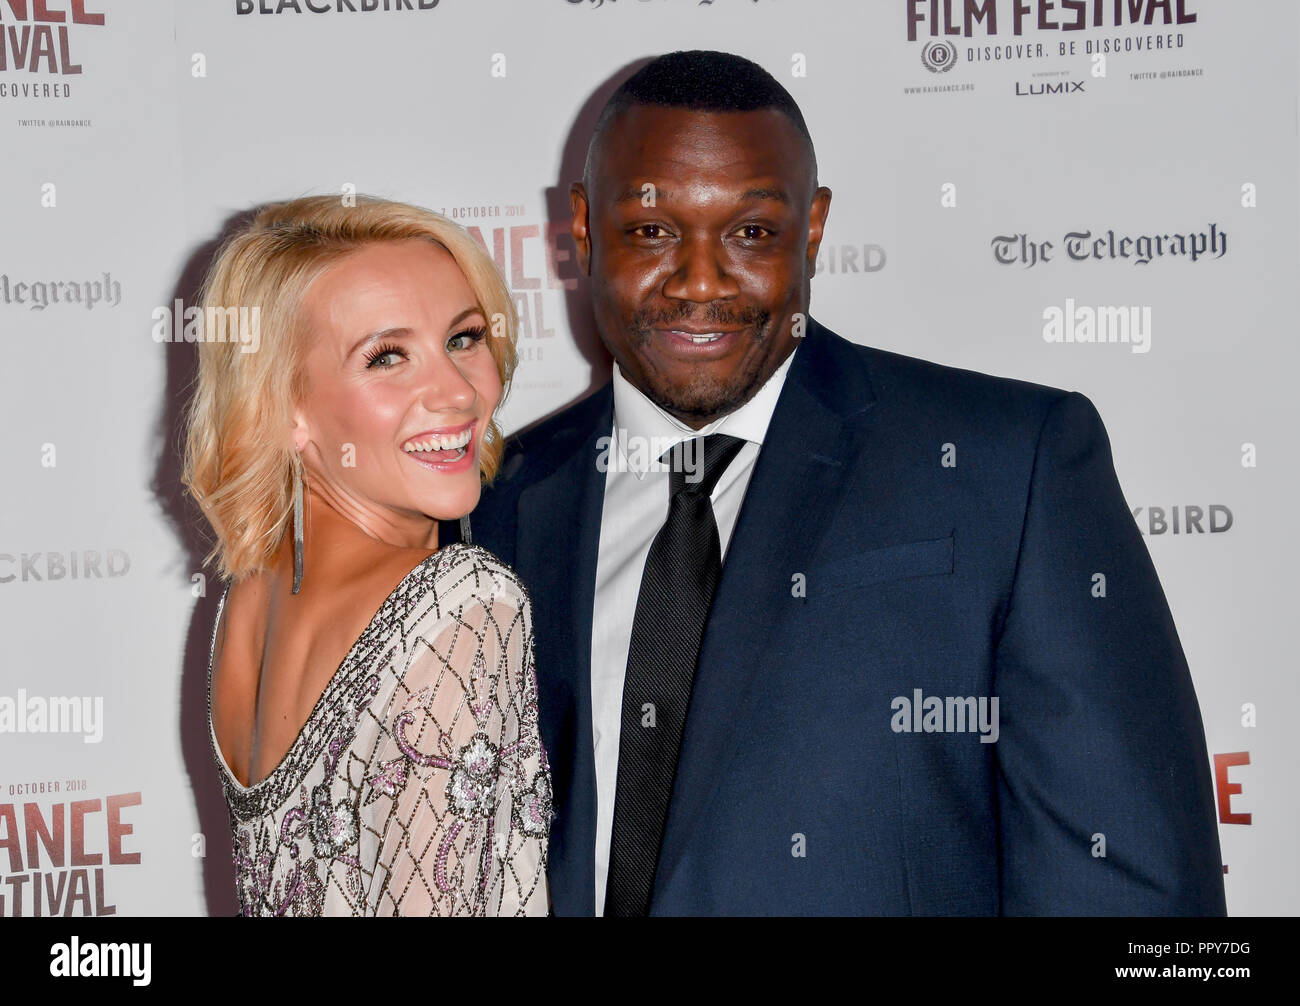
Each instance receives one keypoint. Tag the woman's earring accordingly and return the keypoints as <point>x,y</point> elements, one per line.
<point>297,529</point>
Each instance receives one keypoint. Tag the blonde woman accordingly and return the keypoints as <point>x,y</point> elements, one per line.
<point>372,701</point>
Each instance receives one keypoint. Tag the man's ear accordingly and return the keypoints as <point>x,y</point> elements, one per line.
<point>580,228</point>
<point>821,207</point>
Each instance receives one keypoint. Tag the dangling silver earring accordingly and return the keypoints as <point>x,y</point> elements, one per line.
<point>297,529</point>
<point>466,535</point>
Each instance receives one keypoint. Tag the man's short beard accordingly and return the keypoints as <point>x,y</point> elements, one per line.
<point>703,398</point>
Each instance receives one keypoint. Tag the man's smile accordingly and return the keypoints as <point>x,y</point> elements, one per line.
<point>697,344</point>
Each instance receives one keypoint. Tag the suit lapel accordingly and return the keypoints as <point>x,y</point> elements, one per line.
<point>791,495</point>
<point>558,536</point>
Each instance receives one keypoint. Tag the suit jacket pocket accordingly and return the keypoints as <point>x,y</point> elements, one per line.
<point>890,562</point>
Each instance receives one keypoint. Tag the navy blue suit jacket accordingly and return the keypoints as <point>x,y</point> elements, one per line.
<point>861,568</point>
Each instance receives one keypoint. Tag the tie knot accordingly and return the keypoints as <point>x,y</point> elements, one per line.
<point>698,463</point>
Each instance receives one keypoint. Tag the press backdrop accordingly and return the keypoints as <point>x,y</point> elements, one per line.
<point>994,180</point>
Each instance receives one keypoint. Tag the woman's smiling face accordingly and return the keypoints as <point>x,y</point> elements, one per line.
<point>400,384</point>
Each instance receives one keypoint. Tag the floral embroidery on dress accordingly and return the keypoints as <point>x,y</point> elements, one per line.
<point>333,827</point>
<point>533,811</point>
<point>390,778</point>
<point>472,786</point>
<point>388,802</point>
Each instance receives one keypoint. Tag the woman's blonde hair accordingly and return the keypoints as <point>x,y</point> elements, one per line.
<point>239,462</point>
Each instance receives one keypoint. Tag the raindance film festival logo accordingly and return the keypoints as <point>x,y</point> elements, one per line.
<point>989,18</point>
<point>42,37</point>
<point>1014,31</point>
<point>55,853</point>
<point>939,57</point>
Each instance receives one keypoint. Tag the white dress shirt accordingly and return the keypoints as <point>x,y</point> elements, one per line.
<point>635,508</point>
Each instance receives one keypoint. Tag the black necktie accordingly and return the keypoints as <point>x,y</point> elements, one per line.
<point>681,574</point>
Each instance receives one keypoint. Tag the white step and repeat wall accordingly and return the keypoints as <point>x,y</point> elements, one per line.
<point>998,175</point>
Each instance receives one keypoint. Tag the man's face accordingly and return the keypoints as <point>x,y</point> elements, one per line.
<point>700,231</point>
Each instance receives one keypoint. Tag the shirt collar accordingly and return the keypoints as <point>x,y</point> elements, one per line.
<point>639,421</point>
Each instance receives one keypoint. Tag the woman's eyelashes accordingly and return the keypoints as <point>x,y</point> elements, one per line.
<point>476,334</point>
<point>376,358</point>
<point>379,352</point>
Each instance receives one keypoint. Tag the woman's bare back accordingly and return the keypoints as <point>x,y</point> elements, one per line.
<point>276,652</point>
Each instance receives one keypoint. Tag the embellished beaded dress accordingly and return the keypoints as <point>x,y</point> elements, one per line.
<point>418,785</point>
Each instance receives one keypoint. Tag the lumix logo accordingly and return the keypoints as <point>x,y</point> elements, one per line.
<point>1062,87</point>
